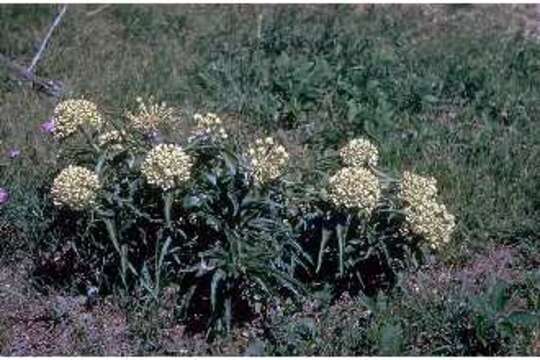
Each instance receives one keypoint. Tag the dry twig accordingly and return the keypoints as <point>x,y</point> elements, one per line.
<point>53,25</point>
<point>52,87</point>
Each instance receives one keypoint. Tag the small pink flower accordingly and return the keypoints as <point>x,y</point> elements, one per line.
<point>4,196</point>
<point>48,126</point>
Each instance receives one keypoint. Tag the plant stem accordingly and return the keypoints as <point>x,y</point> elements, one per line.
<point>168,199</point>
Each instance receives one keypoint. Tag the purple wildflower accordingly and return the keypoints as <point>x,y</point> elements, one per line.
<point>4,196</point>
<point>14,153</point>
<point>48,126</point>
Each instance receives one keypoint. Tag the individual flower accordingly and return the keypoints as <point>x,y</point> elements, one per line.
<point>359,152</point>
<point>267,160</point>
<point>167,166</point>
<point>425,215</point>
<point>209,125</point>
<point>48,126</point>
<point>70,115</point>
<point>355,188</point>
<point>14,153</point>
<point>151,116</point>
<point>75,187</point>
<point>114,140</point>
<point>4,196</point>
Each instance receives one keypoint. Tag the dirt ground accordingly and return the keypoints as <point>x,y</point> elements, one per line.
<point>32,324</point>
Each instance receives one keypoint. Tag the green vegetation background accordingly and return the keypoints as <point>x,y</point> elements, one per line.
<point>450,91</point>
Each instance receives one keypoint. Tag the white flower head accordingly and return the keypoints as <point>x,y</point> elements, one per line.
<point>167,166</point>
<point>268,160</point>
<point>70,115</point>
<point>75,187</point>
<point>355,188</point>
<point>359,152</point>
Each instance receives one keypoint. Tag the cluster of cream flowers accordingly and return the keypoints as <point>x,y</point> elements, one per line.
<point>150,116</point>
<point>113,139</point>
<point>268,160</point>
<point>355,187</point>
<point>359,152</point>
<point>167,166</point>
<point>75,187</point>
<point>210,125</point>
<point>425,215</point>
<point>70,115</point>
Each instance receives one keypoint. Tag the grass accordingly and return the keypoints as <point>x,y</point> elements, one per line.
<point>459,104</point>
<point>450,91</point>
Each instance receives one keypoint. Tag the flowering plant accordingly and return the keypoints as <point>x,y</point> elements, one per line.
<point>221,220</point>
<point>198,211</point>
<point>363,226</point>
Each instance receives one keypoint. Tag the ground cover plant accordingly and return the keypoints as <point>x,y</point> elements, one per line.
<point>274,179</point>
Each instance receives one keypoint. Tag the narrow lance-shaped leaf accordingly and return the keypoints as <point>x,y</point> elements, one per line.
<point>218,276</point>
<point>325,238</point>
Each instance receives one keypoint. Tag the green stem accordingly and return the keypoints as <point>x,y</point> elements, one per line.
<point>168,199</point>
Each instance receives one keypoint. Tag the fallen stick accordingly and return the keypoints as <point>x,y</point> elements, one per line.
<point>54,24</point>
<point>51,87</point>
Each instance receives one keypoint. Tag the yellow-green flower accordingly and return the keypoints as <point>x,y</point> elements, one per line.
<point>267,160</point>
<point>359,152</point>
<point>355,188</point>
<point>75,187</point>
<point>167,166</point>
<point>425,215</point>
<point>113,140</point>
<point>416,189</point>
<point>70,115</point>
<point>432,221</point>
<point>151,116</point>
<point>210,125</point>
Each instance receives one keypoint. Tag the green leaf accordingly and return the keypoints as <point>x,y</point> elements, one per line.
<point>167,206</point>
<point>325,238</point>
<point>524,318</point>
<point>228,313</point>
<point>212,178</point>
<point>191,202</point>
<point>159,268</point>
<point>391,339</point>
<point>218,276</point>
<point>341,232</point>
<point>431,99</point>
<point>499,297</point>
<point>234,203</point>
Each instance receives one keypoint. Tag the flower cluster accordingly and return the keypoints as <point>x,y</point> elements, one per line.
<point>356,188</point>
<point>70,115</point>
<point>150,116</point>
<point>113,140</point>
<point>209,125</point>
<point>167,166</point>
<point>425,215</point>
<point>75,187</point>
<point>268,160</point>
<point>359,152</point>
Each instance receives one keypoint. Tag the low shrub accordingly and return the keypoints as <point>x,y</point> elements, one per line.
<point>145,207</point>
